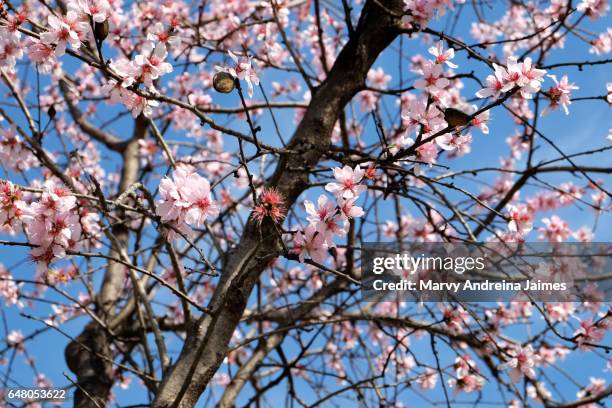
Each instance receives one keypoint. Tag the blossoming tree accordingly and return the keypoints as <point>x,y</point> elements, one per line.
<point>189,184</point>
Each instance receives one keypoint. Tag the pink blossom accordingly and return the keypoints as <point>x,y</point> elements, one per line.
<point>54,200</point>
<point>594,8</point>
<point>13,152</point>
<point>311,243</point>
<point>185,199</point>
<point>419,115</point>
<point>588,332</point>
<point>443,57</point>
<point>147,149</point>
<point>539,392</point>
<point>11,207</point>
<point>559,95</point>
<point>368,100</point>
<point>555,229</point>
<point>326,218</point>
<point>548,356</point>
<point>378,78</point>
<point>427,153</point>
<point>63,31</point>
<point>151,65</point>
<point>43,55</point>
<point>9,30</point>
<point>348,180</point>
<point>531,78</point>
<point>464,365</point>
<point>522,75</point>
<point>41,381</point>
<point>9,290</point>
<point>433,80</point>
<point>53,225</point>
<point>202,206</point>
<point>428,380</point>
<point>138,104</point>
<point>584,234</point>
<point>99,10</point>
<point>461,145</point>
<point>468,383</point>
<point>157,33</point>
<point>495,83</point>
<point>10,52</point>
<point>445,141</point>
<point>53,235</point>
<point>114,90</point>
<point>127,70</point>
<point>521,364</point>
<point>15,338</point>
<point>419,12</point>
<point>602,44</point>
<point>521,219</point>
<point>560,312</point>
<point>456,318</point>
<point>569,192</point>
<point>480,121</point>
<point>484,31</point>
<point>596,386</point>
<point>349,209</point>
<point>468,378</point>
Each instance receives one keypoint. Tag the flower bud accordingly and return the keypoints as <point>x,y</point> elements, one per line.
<point>223,82</point>
<point>51,111</point>
<point>101,30</point>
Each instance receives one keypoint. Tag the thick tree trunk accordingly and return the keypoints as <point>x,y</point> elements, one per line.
<point>207,343</point>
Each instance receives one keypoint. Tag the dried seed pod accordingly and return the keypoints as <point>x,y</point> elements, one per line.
<point>101,30</point>
<point>223,82</point>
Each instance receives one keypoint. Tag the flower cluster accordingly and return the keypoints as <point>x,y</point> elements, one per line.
<point>419,12</point>
<point>74,27</point>
<point>522,75</point>
<point>430,114</point>
<point>468,377</point>
<point>185,200</point>
<point>11,207</point>
<point>53,225</point>
<point>146,68</point>
<point>98,10</point>
<point>9,290</point>
<point>10,39</point>
<point>64,30</point>
<point>590,333</point>
<point>13,152</point>
<point>521,363</point>
<point>596,387</point>
<point>328,218</point>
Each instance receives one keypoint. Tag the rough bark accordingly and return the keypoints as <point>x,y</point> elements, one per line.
<point>207,342</point>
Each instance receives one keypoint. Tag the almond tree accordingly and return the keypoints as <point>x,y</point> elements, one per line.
<point>187,185</point>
